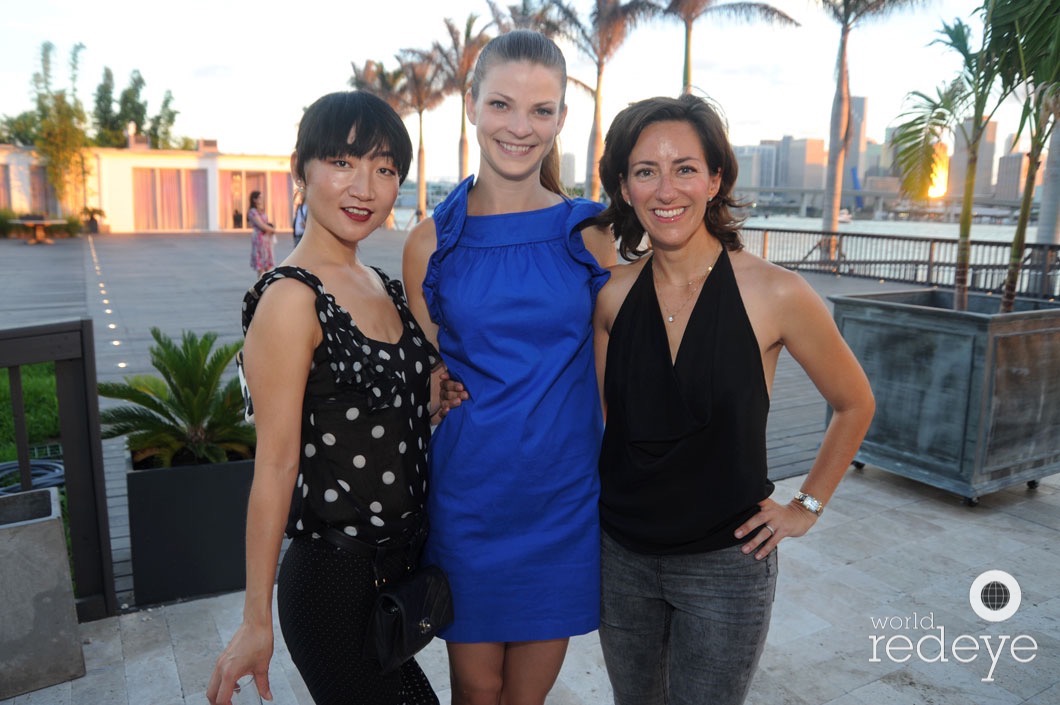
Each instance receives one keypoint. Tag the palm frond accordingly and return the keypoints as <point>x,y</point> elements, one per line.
<point>185,410</point>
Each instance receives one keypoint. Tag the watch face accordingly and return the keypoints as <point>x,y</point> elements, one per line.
<point>809,502</point>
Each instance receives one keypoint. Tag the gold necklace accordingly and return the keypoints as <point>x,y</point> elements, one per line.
<point>692,287</point>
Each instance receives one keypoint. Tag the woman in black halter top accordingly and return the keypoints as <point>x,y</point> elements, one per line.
<point>687,342</point>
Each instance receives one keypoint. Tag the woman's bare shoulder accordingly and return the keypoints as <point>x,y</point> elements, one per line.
<point>617,288</point>
<point>422,239</point>
<point>763,276</point>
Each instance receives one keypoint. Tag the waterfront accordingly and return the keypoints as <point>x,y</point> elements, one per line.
<point>987,232</point>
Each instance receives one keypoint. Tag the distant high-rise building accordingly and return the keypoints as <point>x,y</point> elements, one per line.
<point>566,170</point>
<point>756,165</point>
<point>984,172</point>
<point>873,160</point>
<point>1011,173</point>
<point>807,161</point>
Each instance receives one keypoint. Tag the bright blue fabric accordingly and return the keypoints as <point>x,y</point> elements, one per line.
<point>514,484</point>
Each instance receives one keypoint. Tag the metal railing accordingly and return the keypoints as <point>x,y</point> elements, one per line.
<point>70,346</point>
<point>917,260</point>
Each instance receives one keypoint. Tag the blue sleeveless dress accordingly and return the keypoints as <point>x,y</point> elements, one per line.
<point>514,483</point>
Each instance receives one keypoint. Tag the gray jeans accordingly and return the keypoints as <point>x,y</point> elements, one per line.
<point>684,629</point>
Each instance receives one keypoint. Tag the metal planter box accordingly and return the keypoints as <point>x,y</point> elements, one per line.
<point>187,527</point>
<point>965,400</point>
<point>40,644</point>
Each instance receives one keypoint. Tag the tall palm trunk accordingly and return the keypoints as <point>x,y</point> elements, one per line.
<point>838,137</point>
<point>596,140</point>
<point>421,177</point>
<point>463,139</point>
<point>1015,259</point>
<point>964,232</point>
<point>687,81</point>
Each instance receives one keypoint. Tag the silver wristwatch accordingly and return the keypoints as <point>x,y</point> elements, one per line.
<point>810,502</point>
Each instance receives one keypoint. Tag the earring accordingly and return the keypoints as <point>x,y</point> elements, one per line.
<point>301,188</point>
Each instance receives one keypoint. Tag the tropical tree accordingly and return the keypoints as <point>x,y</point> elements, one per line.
<point>109,130</point>
<point>457,63</point>
<point>424,91</point>
<point>21,129</point>
<point>61,136</point>
<point>848,14</point>
<point>964,108</point>
<point>609,23</point>
<point>131,105</point>
<point>688,11</point>
<point>374,78</point>
<point>1026,37</point>
<point>538,15</point>
<point>184,415</point>
<point>160,128</point>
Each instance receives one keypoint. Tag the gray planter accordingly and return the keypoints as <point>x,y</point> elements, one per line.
<point>39,640</point>
<point>965,401</point>
<point>187,528</point>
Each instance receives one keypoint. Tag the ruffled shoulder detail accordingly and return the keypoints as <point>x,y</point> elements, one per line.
<point>449,217</point>
<point>581,210</point>
<point>349,353</point>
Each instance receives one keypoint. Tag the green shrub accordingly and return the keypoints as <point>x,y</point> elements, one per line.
<point>41,405</point>
<point>72,228</point>
<point>6,226</point>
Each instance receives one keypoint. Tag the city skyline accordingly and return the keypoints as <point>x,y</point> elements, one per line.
<point>244,77</point>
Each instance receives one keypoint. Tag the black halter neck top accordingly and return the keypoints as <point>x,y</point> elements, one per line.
<point>683,461</point>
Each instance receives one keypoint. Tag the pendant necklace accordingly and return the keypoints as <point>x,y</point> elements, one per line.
<point>692,287</point>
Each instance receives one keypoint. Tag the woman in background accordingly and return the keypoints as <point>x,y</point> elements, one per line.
<point>261,257</point>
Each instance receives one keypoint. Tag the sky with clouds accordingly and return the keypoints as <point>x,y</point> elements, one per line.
<point>241,73</point>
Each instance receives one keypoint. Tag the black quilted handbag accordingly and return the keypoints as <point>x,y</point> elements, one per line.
<point>408,613</point>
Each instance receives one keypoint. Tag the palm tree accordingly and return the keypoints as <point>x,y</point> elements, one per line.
<point>847,14</point>
<point>185,415</point>
<point>930,119</point>
<point>374,78</point>
<point>424,90</point>
<point>537,15</point>
<point>457,62</point>
<point>609,24</point>
<point>1026,38</point>
<point>688,11</point>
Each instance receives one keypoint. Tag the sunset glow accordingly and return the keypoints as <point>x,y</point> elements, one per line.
<point>938,183</point>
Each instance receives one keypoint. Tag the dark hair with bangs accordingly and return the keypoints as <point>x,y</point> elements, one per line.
<point>326,124</point>
<point>622,137</point>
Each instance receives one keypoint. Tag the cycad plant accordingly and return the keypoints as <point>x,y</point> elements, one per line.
<point>186,416</point>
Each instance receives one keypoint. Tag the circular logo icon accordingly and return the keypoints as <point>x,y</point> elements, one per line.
<point>995,595</point>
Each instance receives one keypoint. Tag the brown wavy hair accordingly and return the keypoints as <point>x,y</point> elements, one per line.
<point>622,137</point>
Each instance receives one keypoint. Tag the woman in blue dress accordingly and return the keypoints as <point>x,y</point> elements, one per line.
<point>509,279</point>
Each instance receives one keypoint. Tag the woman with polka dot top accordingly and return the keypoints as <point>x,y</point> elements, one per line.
<point>340,375</point>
